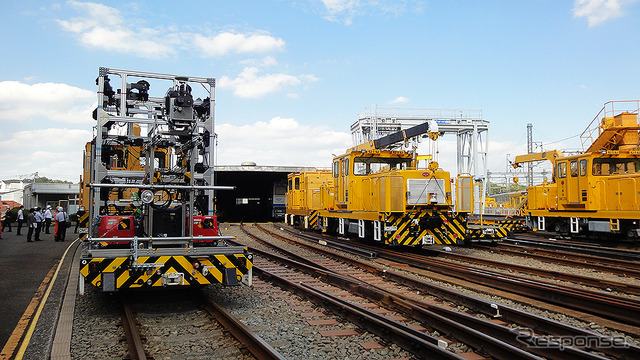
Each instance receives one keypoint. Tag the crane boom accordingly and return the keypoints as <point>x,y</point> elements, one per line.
<point>545,155</point>
<point>398,136</point>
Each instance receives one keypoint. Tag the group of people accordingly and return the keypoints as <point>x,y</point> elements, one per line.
<point>37,220</point>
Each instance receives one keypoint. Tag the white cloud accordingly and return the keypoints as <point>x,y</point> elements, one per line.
<point>284,141</point>
<point>105,28</point>
<point>345,11</point>
<point>281,141</point>
<point>599,11</point>
<point>250,84</point>
<point>399,100</point>
<point>226,43</point>
<point>54,153</point>
<point>45,101</point>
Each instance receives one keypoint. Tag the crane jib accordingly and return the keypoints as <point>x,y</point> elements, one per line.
<point>402,135</point>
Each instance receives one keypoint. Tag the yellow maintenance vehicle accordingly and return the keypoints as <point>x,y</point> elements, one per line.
<point>147,213</point>
<point>596,192</point>
<point>376,193</point>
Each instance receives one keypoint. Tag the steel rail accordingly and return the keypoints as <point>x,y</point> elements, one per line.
<point>350,249</point>
<point>557,275</point>
<point>582,249</point>
<point>606,305</point>
<point>567,259</point>
<point>506,313</point>
<point>290,254</point>
<point>134,340</point>
<point>418,343</point>
<point>255,344</point>
<point>499,341</point>
<point>622,264</point>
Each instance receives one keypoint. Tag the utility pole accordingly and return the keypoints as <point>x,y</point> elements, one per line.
<point>529,151</point>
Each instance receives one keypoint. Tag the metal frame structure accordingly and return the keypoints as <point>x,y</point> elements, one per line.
<point>159,128</point>
<point>171,125</point>
<point>471,130</point>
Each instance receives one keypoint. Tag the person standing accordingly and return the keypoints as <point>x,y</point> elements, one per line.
<point>31,224</point>
<point>61,224</point>
<point>55,228</point>
<point>20,219</point>
<point>6,223</point>
<point>39,222</point>
<point>47,219</point>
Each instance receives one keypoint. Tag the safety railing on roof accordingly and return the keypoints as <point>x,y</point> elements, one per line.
<point>609,109</point>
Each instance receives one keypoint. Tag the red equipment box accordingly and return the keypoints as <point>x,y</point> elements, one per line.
<point>116,226</point>
<point>205,226</point>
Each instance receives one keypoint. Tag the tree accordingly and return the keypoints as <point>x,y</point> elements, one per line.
<point>45,179</point>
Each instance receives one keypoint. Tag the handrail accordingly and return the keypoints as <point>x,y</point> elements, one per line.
<point>595,125</point>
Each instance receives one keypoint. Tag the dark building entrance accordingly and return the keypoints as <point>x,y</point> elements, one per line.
<point>259,194</point>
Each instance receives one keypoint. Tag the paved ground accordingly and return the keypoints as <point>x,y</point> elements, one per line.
<point>23,266</point>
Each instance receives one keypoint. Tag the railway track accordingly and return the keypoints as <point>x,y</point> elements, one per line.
<point>574,247</point>
<point>146,335</point>
<point>360,312</point>
<point>617,267</point>
<point>529,270</point>
<point>501,332</point>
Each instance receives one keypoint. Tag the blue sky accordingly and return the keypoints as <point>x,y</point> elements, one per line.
<point>293,75</point>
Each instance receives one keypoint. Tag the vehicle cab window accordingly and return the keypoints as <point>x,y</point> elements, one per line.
<point>562,170</point>
<point>583,167</point>
<point>573,166</point>
<point>345,167</point>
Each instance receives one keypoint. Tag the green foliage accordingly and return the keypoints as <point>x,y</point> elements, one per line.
<point>501,189</point>
<point>45,179</point>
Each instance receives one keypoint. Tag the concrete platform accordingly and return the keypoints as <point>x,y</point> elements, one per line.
<point>26,271</point>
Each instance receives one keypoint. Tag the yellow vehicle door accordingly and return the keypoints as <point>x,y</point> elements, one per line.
<point>341,173</point>
<point>573,183</point>
<point>583,181</point>
<point>561,171</point>
<point>337,179</point>
<point>344,177</point>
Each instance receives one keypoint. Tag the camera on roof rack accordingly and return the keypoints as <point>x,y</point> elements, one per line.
<point>179,103</point>
<point>138,91</point>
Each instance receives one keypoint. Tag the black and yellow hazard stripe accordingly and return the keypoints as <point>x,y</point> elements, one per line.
<point>481,234</point>
<point>408,231</point>
<point>83,225</point>
<point>313,219</point>
<point>210,270</point>
<point>513,225</point>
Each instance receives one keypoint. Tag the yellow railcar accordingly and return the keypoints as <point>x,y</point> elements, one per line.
<point>597,191</point>
<point>382,195</point>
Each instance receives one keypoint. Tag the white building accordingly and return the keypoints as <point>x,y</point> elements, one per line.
<point>54,194</point>
<point>12,190</point>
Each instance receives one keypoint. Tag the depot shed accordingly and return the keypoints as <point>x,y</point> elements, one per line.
<point>259,194</point>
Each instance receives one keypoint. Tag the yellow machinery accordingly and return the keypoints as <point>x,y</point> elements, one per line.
<point>505,211</point>
<point>146,217</point>
<point>598,191</point>
<point>381,194</point>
